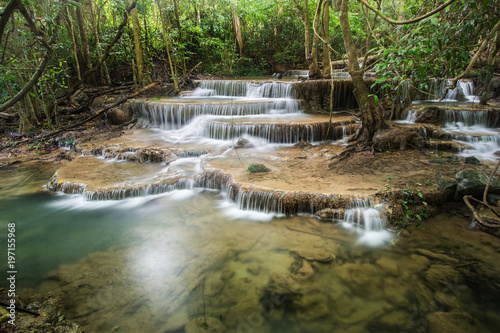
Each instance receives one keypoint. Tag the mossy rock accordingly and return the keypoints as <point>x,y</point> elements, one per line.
<point>258,168</point>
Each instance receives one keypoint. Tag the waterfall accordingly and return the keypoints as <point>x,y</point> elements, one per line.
<point>368,221</point>
<point>168,116</point>
<point>251,89</point>
<point>280,133</point>
<point>466,118</point>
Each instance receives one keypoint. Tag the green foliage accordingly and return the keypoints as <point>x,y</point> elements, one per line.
<point>257,168</point>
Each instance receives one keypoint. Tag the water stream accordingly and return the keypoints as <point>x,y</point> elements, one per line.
<point>205,254</point>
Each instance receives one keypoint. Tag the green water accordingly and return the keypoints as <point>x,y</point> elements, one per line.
<point>178,261</point>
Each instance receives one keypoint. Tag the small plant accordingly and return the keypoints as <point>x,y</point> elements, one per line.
<point>257,168</point>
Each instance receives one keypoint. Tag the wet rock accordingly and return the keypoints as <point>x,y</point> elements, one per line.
<point>329,214</point>
<point>311,306</point>
<point>204,324</point>
<point>494,199</point>
<point>450,322</point>
<point>49,320</point>
<point>363,279</point>
<point>473,182</point>
<point>472,160</point>
<point>306,271</point>
<point>438,256</point>
<point>396,294</point>
<point>448,299</point>
<point>283,284</point>
<point>449,186</point>
<point>429,115</point>
<point>254,269</point>
<point>118,116</point>
<point>439,276</point>
<point>343,306</point>
<point>400,319</point>
<point>314,255</point>
<point>226,274</point>
<point>303,144</point>
<point>423,295</point>
<point>418,262</point>
<point>243,143</point>
<point>389,266</point>
<point>497,153</point>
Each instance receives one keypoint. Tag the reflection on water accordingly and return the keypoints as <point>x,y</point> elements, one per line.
<point>188,259</point>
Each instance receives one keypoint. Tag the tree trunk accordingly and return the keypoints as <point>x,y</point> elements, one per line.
<point>307,30</point>
<point>167,45</point>
<point>303,12</point>
<point>314,71</point>
<point>74,41</point>
<point>372,120</point>
<point>87,61</point>
<point>142,79</point>
<point>326,37</point>
<point>237,30</point>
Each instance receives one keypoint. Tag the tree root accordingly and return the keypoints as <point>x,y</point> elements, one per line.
<point>350,150</point>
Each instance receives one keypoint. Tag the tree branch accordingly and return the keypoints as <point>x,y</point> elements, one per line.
<point>420,18</point>
<point>5,15</point>
<point>41,67</point>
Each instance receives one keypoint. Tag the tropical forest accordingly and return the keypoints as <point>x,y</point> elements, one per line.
<point>250,166</point>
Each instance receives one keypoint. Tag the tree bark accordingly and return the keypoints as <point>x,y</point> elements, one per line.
<point>87,61</point>
<point>372,120</point>
<point>167,45</point>
<point>237,30</point>
<point>326,38</point>
<point>141,66</point>
<point>314,70</point>
<point>74,41</point>
<point>5,15</point>
<point>304,16</point>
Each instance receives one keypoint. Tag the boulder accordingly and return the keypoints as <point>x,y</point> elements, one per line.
<point>472,160</point>
<point>473,182</point>
<point>450,188</point>
<point>118,116</point>
<point>243,143</point>
<point>429,115</point>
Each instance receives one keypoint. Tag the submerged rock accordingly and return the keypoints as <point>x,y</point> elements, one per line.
<point>438,256</point>
<point>440,275</point>
<point>450,322</point>
<point>314,255</point>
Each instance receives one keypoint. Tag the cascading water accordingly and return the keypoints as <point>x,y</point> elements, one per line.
<point>473,129</point>
<point>364,218</point>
